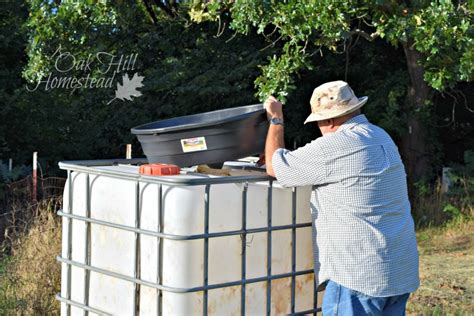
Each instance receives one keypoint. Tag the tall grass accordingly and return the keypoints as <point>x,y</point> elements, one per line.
<point>30,275</point>
<point>432,207</point>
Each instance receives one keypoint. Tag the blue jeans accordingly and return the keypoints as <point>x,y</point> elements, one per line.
<point>339,300</point>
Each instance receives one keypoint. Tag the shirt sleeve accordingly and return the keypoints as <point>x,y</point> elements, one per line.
<point>303,166</point>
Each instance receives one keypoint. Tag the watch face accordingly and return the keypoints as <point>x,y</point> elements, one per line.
<point>276,121</point>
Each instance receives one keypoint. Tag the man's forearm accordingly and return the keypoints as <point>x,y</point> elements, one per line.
<point>275,140</point>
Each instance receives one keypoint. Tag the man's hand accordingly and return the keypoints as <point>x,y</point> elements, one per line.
<point>273,107</point>
<point>275,138</point>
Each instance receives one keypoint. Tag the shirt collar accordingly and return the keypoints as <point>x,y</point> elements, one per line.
<point>359,119</point>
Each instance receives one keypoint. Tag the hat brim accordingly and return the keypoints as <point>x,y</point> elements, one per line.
<point>325,115</point>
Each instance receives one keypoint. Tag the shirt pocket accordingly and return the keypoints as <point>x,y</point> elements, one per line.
<point>392,155</point>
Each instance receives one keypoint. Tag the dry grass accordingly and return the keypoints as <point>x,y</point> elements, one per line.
<point>433,207</point>
<point>446,271</point>
<point>31,276</point>
<point>446,246</point>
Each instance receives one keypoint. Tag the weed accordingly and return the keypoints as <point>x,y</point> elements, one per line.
<point>30,276</point>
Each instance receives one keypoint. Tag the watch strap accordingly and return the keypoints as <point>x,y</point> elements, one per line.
<point>276,121</point>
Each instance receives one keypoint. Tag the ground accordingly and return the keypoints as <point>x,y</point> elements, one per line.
<point>446,271</point>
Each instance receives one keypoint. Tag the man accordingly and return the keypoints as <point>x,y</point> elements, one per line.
<point>365,249</point>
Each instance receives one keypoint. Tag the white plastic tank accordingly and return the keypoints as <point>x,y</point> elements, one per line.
<point>136,245</point>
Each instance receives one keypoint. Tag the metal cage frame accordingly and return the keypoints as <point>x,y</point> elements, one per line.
<point>69,216</point>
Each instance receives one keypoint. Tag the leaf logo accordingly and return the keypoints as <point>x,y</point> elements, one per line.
<point>128,89</point>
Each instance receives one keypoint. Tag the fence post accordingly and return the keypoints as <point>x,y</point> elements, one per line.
<point>10,165</point>
<point>128,154</point>
<point>35,179</point>
<point>445,179</point>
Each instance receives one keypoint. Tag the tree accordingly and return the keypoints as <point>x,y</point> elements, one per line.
<point>187,69</point>
<point>194,67</point>
<point>11,62</point>
<point>436,36</point>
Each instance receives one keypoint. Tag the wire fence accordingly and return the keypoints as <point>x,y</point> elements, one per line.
<point>20,209</point>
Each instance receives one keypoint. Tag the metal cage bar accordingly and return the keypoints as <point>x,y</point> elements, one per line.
<point>181,237</point>
<point>269,247</point>
<point>80,305</point>
<point>172,181</point>
<point>244,247</point>
<point>175,289</point>
<point>159,263</point>
<point>87,246</point>
<point>293,249</point>
<point>69,243</point>
<point>161,236</point>
<point>136,261</point>
<point>206,247</point>
<point>307,312</point>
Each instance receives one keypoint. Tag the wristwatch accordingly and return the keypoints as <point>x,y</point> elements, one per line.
<point>276,121</point>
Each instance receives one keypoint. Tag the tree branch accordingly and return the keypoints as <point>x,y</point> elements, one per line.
<point>272,44</point>
<point>220,29</point>
<point>150,11</point>
<point>367,36</point>
<point>459,92</point>
<point>453,111</point>
<point>174,6</point>
<point>165,8</point>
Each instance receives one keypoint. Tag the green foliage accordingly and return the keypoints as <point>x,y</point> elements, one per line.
<point>16,173</point>
<point>452,210</point>
<point>435,206</point>
<point>387,98</point>
<point>13,43</point>
<point>276,77</point>
<point>191,68</point>
<point>469,162</point>
<point>423,188</point>
<point>187,69</point>
<point>297,24</point>
<point>442,31</point>
<point>71,24</point>
<point>461,177</point>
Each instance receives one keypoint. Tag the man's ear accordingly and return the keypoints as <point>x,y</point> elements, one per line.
<point>331,123</point>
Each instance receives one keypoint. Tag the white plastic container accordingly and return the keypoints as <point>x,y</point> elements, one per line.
<point>101,260</point>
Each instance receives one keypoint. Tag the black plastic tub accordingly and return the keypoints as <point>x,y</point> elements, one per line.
<point>206,138</point>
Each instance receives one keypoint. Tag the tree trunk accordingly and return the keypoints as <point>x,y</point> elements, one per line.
<point>415,149</point>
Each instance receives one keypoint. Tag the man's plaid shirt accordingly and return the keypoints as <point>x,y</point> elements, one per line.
<point>363,230</point>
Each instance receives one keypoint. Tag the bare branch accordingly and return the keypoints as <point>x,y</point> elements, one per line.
<point>165,8</point>
<point>220,29</point>
<point>319,49</point>
<point>231,38</point>
<point>367,36</point>
<point>272,43</point>
<point>150,11</point>
<point>366,23</point>
<point>465,100</point>
<point>453,112</point>
<point>267,36</point>
<point>303,50</point>
<point>348,49</point>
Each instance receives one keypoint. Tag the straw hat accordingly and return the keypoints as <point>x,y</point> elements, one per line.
<point>333,99</point>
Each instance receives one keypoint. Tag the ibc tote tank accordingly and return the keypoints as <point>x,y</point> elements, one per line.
<point>190,244</point>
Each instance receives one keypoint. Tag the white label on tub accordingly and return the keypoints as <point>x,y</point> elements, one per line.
<point>193,144</point>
